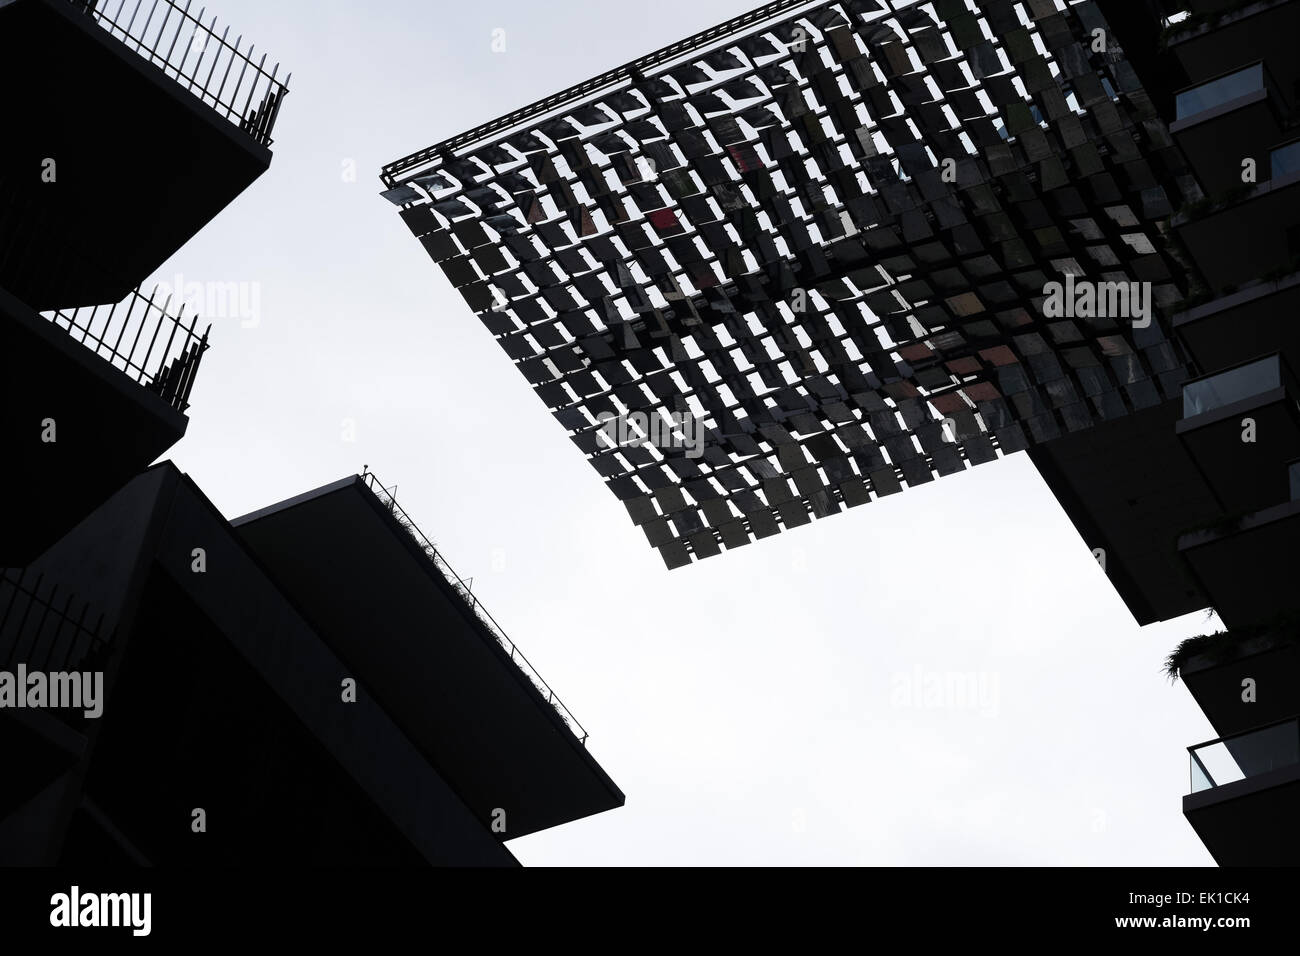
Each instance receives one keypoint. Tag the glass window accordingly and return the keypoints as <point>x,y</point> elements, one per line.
<point>1217,92</point>
<point>1207,394</point>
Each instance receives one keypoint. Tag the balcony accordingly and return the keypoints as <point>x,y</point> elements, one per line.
<point>91,398</point>
<point>1232,329</point>
<point>1129,487</point>
<point>386,600</point>
<point>1221,389</point>
<point>1246,563</point>
<point>1247,233</point>
<point>1244,475</point>
<point>45,628</point>
<point>1207,97</point>
<point>295,774</point>
<point>1244,790</point>
<point>142,124</point>
<point>1214,668</point>
<point>1284,160</point>
<point>1241,756</point>
<point>1242,108</point>
<point>1224,36</point>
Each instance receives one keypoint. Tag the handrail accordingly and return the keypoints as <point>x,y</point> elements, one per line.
<point>1244,733</point>
<point>386,497</point>
<point>178,43</point>
<point>172,352</point>
<point>35,620</point>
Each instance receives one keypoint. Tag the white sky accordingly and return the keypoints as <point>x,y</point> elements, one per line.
<point>752,707</point>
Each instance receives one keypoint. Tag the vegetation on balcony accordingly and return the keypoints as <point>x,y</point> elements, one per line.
<point>1289,268</point>
<point>1199,295</point>
<point>1219,524</point>
<point>1195,21</point>
<point>1222,646</point>
<point>1207,205</point>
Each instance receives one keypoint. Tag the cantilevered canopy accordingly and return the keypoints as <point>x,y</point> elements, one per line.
<point>826,232</point>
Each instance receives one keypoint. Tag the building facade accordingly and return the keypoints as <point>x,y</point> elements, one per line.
<point>829,250</point>
<point>177,689</point>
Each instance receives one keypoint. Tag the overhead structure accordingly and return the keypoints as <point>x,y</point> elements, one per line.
<point>827,233</point>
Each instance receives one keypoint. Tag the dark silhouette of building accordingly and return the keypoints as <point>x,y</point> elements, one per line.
<point>150,125</point>
<point>227,650</point>
<point>858,244</point>
<point>311,684</point>
<point>1223,78</point>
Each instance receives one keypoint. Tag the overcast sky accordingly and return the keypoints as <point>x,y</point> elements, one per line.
<point>768,706</point>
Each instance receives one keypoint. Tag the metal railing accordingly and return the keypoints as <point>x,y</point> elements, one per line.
<point>44,629</point>
<point>142,339</point>
<point>212,67</point>
<point>386,497</point>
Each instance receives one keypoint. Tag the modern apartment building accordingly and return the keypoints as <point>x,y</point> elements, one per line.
<point>1230,88</point>
<point>311,684</point>
<point>829,250</point>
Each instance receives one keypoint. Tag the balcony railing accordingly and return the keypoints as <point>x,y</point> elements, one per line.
<point>1225,89</point>
<point>1285,160</point>
<point>385,496</point>
<point>1245,755</point>
<point>1221,389</point>
<point>141,338</point>
<point>232,81</point>
<point>46,629</point>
